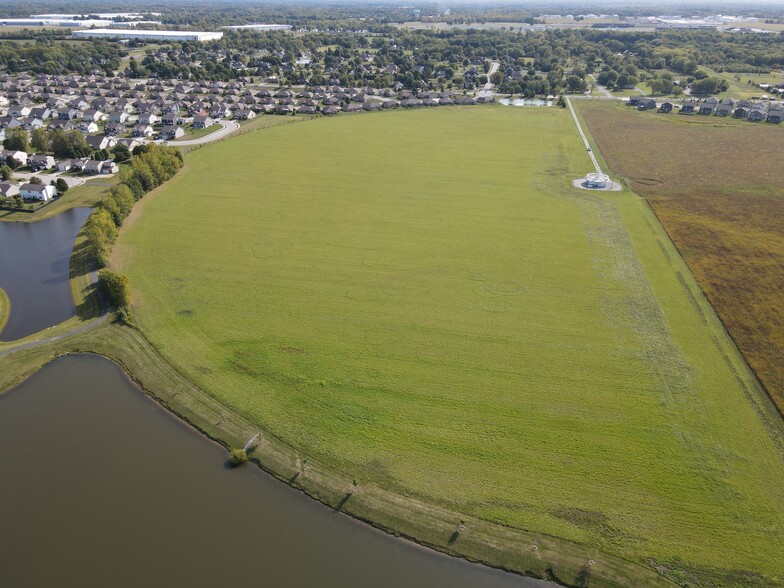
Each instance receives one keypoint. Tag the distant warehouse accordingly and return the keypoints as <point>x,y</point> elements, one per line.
<point>147,35</point>
<point>261,27</point>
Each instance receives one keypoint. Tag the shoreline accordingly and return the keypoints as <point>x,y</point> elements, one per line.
<point>5,309</point>
<point>516,551</point>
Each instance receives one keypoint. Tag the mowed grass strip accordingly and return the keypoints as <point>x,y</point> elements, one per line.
<point>421,300</point>
<point>716,186</point>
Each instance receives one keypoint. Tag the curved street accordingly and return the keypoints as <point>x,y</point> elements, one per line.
<point>229,126</point>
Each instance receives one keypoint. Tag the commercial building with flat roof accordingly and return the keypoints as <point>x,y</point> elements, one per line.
<point>147,35</point>
<point>261,27</point>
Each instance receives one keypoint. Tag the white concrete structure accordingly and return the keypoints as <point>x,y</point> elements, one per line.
<point>596,180</point>
<point>147,35</point>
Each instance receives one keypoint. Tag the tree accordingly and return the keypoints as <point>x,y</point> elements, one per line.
<point>36,180</point>
<point>116,288</point>
<point>39,139</point>
<point>6,173</point>
<point>16,140</point>
<point>61,185</point>
<point>121,153</point>
<point>101,232</point>
<point>575,84</point>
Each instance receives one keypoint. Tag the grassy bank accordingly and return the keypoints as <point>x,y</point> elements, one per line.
<point>418,301</point>
<point>5,309</point>
<point>448,531</point>
<point>714,185</point>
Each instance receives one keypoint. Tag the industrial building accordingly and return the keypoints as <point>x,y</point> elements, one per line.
<point>261,27</point>
<point>147,35</point>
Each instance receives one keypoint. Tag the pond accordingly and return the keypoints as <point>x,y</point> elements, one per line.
<point>34,271</point>
<point>525,102</point>
<point>103,487</point>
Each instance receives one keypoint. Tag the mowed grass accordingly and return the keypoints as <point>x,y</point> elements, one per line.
<point>422,301</point>
<point>716,186</point>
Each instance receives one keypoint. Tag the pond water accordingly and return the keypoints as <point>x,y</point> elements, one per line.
<point>525,102</point>
<point>103,487</point>
<point>34,271</point>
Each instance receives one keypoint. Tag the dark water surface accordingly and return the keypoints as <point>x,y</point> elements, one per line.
<point>100,486</point>
<point>34,271</point>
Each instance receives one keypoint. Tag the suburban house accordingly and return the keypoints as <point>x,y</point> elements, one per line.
<point>707,108</point>
<point>100,142</point>
<point>724,109</point>
<point>94,166</point>
<point>244,114</point>
<point>8,190</point>
<point>775,114</point>
<point>118,117</point>
<point>170,119</point>
<point>94,116</point>
<point>19,111</point>
<point>171,132</point>
<point>68,114</point>
<point>87,127</point>
<point>142,131</point>
<point>148,118</point>
<point>131,144</point>
<point>688,106</point>
<point>741,112</point>
<point>40,192</point>
<point>113,129</point>
<point>65,165</point>
<point>756,115</point>
<point>202,122</point>
<point>666,107</point>
<point>646,104</point>
<point>40,162</point>
<point>19,156</point>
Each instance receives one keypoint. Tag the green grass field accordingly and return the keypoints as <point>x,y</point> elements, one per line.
<point>421,301</point>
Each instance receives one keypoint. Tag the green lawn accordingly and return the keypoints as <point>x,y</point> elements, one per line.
<point>420,300</point>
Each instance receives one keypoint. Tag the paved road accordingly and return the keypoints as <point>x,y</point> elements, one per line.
<point>229,126</point>
<point>488,88</point>
<point>582,134</point>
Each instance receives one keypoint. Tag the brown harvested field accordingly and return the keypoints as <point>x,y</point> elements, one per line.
<point>718,188</point>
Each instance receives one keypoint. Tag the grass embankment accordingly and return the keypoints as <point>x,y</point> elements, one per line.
<point>715,186</point>
<point>5,309</point>
<point>421,302</point>
<point>87,194</point>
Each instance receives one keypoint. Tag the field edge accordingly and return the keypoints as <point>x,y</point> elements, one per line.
<point>530,554</point>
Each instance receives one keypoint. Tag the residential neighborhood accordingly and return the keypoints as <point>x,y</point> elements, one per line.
<point>111,111</point>
<point>751,110</point>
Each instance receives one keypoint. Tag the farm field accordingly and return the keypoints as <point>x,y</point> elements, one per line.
<point>421,301</point>
<point>716,187</point>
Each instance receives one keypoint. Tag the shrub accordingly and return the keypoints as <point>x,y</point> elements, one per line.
<point>238,457</point>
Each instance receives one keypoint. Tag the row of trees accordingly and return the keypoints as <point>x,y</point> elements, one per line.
<point>151,165</point>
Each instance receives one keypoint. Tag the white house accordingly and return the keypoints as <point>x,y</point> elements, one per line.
<point>40,192</point>
<point>8,189</point>
<point>87,127</point>
<point>19,156</point>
